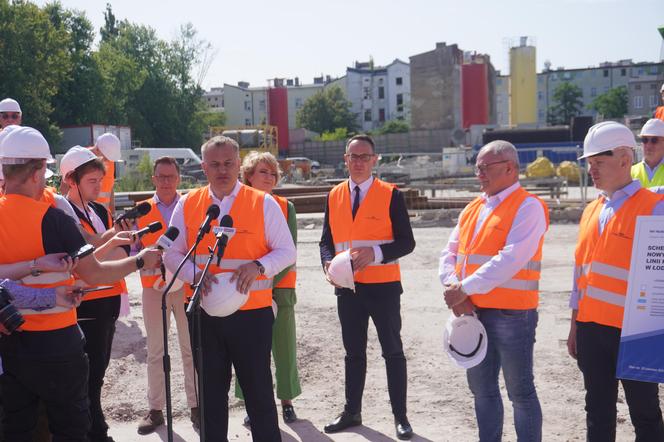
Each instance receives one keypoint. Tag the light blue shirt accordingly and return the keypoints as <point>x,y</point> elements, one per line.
<point>651,172</point>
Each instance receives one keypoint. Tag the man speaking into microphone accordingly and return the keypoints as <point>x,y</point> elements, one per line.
<point>261,247</point>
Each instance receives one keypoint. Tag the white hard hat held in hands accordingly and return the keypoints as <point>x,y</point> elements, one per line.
<point>223,298</point>
<point>340,270</point>
<point>465,340</point>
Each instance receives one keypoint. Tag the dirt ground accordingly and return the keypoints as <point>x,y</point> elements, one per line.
<point>440,406</point>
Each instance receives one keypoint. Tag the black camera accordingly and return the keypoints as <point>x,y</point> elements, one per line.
<point>10,317</point>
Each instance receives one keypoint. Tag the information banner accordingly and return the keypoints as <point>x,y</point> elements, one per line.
<point>641,355</point>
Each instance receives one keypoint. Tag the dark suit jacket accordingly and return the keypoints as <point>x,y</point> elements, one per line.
<point>403,243</point>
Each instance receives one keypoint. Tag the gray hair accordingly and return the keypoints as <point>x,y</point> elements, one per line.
<point>219,141</point>
<point>502,148</point>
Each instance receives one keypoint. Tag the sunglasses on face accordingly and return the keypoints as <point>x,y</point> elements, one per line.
<point>652,140</point>
<point>10,116</point>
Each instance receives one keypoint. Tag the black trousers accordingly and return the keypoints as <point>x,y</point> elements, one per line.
<point>384,309</point>
<point>97,320</point>
<point>243,340</point>
<point>48,367</point>
<point>597,352</point>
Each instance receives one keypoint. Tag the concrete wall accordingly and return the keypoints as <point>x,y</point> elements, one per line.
<point>435,88</point>
<point>502,100</point>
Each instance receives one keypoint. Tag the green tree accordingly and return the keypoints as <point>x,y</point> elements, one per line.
<point>110,29</point>
<point>612,103</point>
<point>394,127</point>
<point>339,134</point>
<point>567,99</point>
<point>327,111</point>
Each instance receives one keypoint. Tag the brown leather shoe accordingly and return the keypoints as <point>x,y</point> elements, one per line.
<point>196,418</point>
<point>150,422</point>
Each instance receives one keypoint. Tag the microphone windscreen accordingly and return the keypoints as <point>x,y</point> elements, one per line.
<point>172,233</point>
<point>226,221</point>
<point>213,211</point>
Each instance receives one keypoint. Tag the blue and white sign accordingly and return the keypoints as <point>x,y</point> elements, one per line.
<point>641,357</point>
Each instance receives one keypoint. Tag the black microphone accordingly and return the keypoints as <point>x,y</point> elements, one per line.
<point>211,214</point>
<point>135,212</point>
<point>165,242</point>
<point>224,232</point>
<point>150,228</point>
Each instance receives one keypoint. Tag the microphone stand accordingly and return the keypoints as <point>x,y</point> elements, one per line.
<point>194,313</point>
<point>167,357</point>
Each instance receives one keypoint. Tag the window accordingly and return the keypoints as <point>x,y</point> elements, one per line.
<point>653,101</point>
<point>367,115</point>
<point>606,72</point>
<point>247,105</point>
<point>366,93</point>
<point>381,115</point>
<point>593,91</point>
<point>399,81</point>
<point>539,95</point>
<point>381,92</point>
<point>637,87</point>
<point>638,102</point>
<point>623,72</point>
<point>261,105</point>
<point>298,103</point>
<point>247,122</point>
<point>399,99</point>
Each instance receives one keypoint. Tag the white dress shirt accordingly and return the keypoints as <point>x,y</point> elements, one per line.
<point>364,188</point>
<point>279,240</point>
<point>521,244</point>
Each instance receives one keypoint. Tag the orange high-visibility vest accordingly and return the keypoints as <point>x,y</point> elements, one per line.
<point>48,196</point>
<point>21,240</point>
<point>602,261</point>
<point>659,113</point>
<point>247,245</point>
<point>119,287</point>
<point>107,184</point>
<point>372,226</point>
<point>150,276</point>
<point>289,280</point>
<point>521,291</point>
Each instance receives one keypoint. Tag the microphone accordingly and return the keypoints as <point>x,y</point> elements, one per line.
<point>165,242</point>
<point>224,232</point>
<point>151,228</point>
<point>211,214</point>
<point>135,212</point>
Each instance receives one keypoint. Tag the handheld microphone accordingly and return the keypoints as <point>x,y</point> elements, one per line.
<point>211,214</point>
<point>135,212</point>
<point>165,242</point>
<point>150,228</point>
<point>224,232</point>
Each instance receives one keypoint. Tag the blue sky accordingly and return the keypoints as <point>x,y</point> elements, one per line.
<point>256,40</point>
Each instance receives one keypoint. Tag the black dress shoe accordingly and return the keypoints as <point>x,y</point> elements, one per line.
<point>288,413</point>
<point>404,430</point>
<point>343,421</point>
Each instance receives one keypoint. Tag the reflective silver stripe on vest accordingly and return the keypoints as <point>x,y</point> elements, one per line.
<point>520,284</point>
<point>232,264</point>
<point>150,272</point>
<point>606,296</point>
<point>104,195</point>
<point>609,270</point>
<point>46,278</point>
<point>343,246</point>
<point>535,266</point>
<point>262,284</point>
<point>48,311</point>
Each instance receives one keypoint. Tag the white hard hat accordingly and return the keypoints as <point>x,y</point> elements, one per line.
<point>465,340</point>
<point>10,105</point>
<point>606,136</point>
<point>653,127</point>
<point>75,157</point>
<point>223,298</point>
<point>24,143</point>
<point>340,270</point>
<point>661,89</point>
<point>109,145</point>
<point>160,285</point>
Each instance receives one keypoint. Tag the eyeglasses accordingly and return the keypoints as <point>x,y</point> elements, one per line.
<point>646,140</point>
<point>479,170</point>
<point>365,157</point>
<point>166,177</point>
<point>10,115</point>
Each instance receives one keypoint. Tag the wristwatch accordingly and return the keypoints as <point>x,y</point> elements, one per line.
<point>261,269</point>
<point>34,271</point>
<point>139,263</point>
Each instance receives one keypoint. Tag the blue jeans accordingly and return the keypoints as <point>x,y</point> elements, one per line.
<point>511,336</point>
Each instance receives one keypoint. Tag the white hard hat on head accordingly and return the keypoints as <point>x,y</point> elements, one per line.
<point>10,105</point>
<point>75,157</point>
<point>653,127</point>
<point>605,136</point>
<point>661,89</point>
<point>24,143</point>
<point>223,298</point>
<point>465,340</point>
<point>340,270</point>
<point>160,284</point>
<point>109,145</point>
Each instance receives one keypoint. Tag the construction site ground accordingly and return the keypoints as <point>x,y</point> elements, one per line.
<point>440,407</point>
